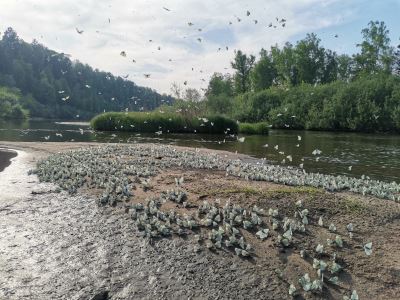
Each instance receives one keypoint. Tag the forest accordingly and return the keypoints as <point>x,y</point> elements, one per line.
<point>48,84</point>
<point>305,86</point>
<point>294,86</point>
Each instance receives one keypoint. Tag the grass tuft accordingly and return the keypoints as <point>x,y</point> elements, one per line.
<point>352,205</point>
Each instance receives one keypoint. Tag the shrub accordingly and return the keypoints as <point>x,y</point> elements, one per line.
<point>367,104</point>
<point>10,107</point>
<point>18,113</point>
<point>260,128</point>
<point>165,122</point>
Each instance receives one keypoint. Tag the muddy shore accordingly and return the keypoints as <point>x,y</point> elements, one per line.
<point>56,246</point>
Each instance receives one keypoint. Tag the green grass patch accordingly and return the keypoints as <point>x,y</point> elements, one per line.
<point>304,190</point>
<point>260,128</point>
<point>352,205</point>
<point>249,191</point>
<point>166,122</point>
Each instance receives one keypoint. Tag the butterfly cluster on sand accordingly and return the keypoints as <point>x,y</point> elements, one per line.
<point>119,170</point>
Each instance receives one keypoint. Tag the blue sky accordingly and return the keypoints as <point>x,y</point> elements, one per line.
<point>349,29</point>
<point>174,53</point>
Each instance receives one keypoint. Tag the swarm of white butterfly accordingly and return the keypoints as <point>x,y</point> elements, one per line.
<point>118,170</point>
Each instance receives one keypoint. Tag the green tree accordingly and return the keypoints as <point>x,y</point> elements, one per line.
<point>243,65</point>
<point>264,72</point>
<point>9,46</point>
<point>376,52</point>
<point>310,59</point>
<point>285,63</point>
<point>219,94</point>
<point>345,65</point>
<point>396,68</point>
<point>220,104</point>
<point>46,77</point>
<point>220,84</point>
<point>330,68</point>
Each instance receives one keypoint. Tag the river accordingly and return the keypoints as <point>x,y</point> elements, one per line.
<point>351,154</point>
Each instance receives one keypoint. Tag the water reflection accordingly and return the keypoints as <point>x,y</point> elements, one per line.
<point>5,158</point>
<point>375,155</point>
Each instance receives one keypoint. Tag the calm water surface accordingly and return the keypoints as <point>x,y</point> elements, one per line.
<point>5,158</point>
<point>375,155</point>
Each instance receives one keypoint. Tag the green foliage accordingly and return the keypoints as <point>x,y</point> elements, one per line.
<point>186,108</point>
<point>397,61</point>
<point>308,62</point>
<point>243,65</point>
<point>345,67</point>
<point>220,84</point>
<point>260,128</point>
<point>17,112</point>
<point>166,122</point>
<point>219,94</point>
<point>10,105</point>
<point>370,103</point>
<point>376,53</point>
<point>284,60</point>
<point>220,104</point>
<point>254,107</point>
<point>309,59</point>
<point>305,86</point>
<point>44,77</point>
<point>264,72</point>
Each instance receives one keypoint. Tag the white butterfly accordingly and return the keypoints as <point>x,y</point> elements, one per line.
<point>179,181</point>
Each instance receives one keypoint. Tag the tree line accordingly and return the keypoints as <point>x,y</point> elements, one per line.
<point>50,85</point>
<point>305,86</point>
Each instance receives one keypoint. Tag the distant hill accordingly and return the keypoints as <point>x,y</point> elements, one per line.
<point>53,86</point>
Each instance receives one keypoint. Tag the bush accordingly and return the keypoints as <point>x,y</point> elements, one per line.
<point>165,122</point>
<point>366,104</point>
<point>220,104</point>
<point>17,112</point>
<point>260,128</point>
<point>10,107</point>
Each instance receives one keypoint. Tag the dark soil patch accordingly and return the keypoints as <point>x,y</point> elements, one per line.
<point>376,220</point>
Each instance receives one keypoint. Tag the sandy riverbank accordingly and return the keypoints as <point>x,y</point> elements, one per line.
<point>54,246</point>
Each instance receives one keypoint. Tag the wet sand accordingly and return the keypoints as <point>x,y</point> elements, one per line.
<point>54,246</point>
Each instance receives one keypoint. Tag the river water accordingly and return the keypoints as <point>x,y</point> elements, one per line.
<point>352,154</point>
<point>5,158</point>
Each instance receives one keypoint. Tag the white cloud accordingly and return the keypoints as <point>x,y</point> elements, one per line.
<point>133,23</point>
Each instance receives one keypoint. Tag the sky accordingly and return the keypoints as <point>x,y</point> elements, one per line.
<point>158,37</point>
